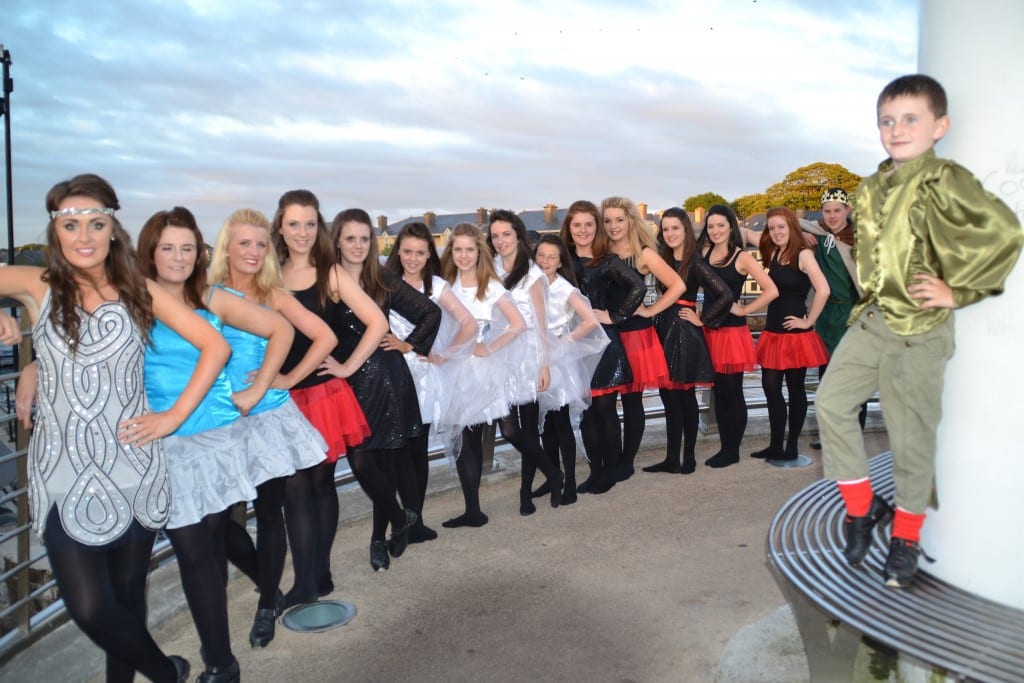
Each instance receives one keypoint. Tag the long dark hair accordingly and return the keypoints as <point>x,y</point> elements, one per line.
<point>689,241</point>
<point>149,240</point>
<point>521,266</point>
<point>735,238</point>
<point>565,268</point>
<point>121,266</point>
<point>370,277</point>
<point>433,265</point>
<point>322,254</point>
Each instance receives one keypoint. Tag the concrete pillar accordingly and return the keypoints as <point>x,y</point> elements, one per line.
<point>975,50</point>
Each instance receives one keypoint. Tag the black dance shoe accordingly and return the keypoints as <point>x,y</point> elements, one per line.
<point>379,559</point>
<point>526,506</point>
<point>231,673</point>
<point>181,666</point>
<point>262,631</point>
<point>542,490</point>
<point>400,539</point>
<point>858,530</point>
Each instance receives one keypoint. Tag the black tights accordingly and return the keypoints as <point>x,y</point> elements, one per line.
<point>311,516</point>
<point>374,469</point>
<point>633,423</point>
<point>682,421</point>
<point>602,439</point>
<point>556,438</point>
<point>263,563</point>
<point>203,568</point>
<point>411,476</point>
<point>771,382</point>
<point>104,591</point>
<point>730,411</point>
<point>470,465</point>
<point>522,429</point>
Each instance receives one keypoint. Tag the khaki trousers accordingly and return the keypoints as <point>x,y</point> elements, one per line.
<point>908,374</point>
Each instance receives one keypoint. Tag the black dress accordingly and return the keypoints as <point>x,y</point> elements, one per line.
<point>686,351</point>
<point>613,286</point>
<point>383,384</point>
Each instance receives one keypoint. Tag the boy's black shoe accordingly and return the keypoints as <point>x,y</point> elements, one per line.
<point>858,530</point>
<point>901,565</point>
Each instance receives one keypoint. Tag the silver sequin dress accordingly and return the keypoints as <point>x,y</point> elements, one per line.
<point>75,461</point>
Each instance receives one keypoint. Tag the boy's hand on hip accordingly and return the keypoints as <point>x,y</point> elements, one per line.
<point>931,291</point>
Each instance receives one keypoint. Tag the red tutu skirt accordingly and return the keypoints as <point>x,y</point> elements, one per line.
<point>683,386</point>
<point>646,359</point>
<point>784,351</point>
<point>594,393</point>
<point>332,408</point>
<point>731,349</point>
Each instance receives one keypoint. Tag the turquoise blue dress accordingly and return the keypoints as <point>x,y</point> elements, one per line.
<point>206,455</point>
<point>280,439</point>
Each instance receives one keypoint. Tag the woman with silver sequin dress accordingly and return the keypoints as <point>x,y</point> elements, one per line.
<point>98,485</point>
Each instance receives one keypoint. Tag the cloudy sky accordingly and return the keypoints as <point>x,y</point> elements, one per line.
<point>403,106</point>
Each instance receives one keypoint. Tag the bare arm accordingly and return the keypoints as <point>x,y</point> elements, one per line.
<point>748,265</point>
<point>809,265</point>
<point>352,295</point>
<point>669,279</point>
<point>310,324</point>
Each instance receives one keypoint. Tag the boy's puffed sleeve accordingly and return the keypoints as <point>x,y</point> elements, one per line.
<point>975,237</point>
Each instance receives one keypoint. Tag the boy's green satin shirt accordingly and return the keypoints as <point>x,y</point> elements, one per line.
<point>932,216</point>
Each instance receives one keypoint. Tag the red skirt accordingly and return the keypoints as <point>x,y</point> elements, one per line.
<point>332,408</point>
<point>594,393</point>
<point>785,351</point>
<point>731,349</point>
<point>683,386</point>
<point>646,359</point>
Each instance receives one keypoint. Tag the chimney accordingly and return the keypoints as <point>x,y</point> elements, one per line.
<point>382,224</point>
<point>698,215</point>
<point>481,216</point>
<point>642,208</point>
<point>549,213</point>
<point>429,218</point>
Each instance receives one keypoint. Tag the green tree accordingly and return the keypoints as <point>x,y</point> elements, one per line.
<point>802,188</point>
<point>750,204</point>
<point>704,201</point>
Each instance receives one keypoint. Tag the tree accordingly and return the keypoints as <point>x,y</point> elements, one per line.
<point>704,201</point>
<point>748,205</point>
<point>802,188</point>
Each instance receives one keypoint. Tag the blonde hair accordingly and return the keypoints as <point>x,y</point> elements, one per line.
<point>639,234</point>
<point>484,263</point>
<point>268,279</point>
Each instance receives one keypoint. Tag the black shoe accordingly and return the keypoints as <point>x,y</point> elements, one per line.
<point>542,490</point>
<point>556,490</point>
<point>816,445</point>
<point>689,465</point>
<point>181,666</point>
<point>901,564</point>
<point>466,519</point>
<point>222,674</point>
<point>526,506</point>
<point>262,631</point>
<point>858,530</point>
<point>569,493</point>
<point>722,459</point>
<point>624,472</point>
<point>585,485</point>
<point>325,587</point>
<point>663,466</point>
<point>400,539</point>
<point>293,599</point>
<point>278,602</point>
<point>421,533</point>
<point>768,454</point>
<point>379,559</point>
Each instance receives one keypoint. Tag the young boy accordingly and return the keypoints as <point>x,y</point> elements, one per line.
<point>929,239</point>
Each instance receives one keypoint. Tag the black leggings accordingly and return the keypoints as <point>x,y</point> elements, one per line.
<point>104,591</point>
<point>682,421</point>
<point>203,568</point>
<point>633,423</point>
<point>469,466</point>
<point>311,516</point>
<point>263,563</point>
<point>412,474</point>
<point>556,438</point>
<point>771,382</point>
<point>374,469</point>
<point>602,436</point>
<point>522,429</point>
<point>730,411</point>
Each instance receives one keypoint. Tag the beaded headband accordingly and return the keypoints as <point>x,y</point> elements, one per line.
<point>75,211</point>
<point>835,194</point>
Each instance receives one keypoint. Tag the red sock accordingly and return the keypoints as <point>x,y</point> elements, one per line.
<point>907,525</point>
<point>857,495</point>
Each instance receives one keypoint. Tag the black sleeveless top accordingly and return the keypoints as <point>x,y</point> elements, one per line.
<point>734,280</point>
<point>310,298</point>
<point>793,286</point>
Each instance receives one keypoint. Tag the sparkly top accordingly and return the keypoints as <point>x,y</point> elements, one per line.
<point>75,461</point>
<point>168,367</point>
<point>931,216</point>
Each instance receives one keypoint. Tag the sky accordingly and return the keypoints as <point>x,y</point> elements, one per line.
<point>401,107</point>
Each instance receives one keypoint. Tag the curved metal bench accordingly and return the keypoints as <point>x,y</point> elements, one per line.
<point>834,604</point>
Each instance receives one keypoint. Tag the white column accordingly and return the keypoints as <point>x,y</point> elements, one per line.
<point>976,50</point>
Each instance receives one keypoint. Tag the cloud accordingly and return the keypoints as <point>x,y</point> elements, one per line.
<point>401,107</point>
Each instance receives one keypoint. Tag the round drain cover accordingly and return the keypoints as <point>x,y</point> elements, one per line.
<point>319,616</point>
<point>801,461</point>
